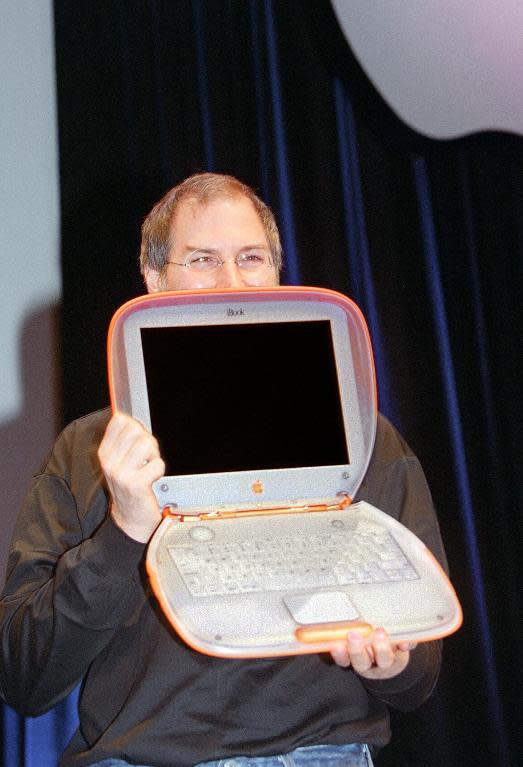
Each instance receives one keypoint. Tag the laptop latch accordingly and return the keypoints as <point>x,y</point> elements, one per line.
<point>331,632</point>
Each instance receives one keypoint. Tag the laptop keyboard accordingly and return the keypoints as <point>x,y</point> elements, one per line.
<point>291,562</point>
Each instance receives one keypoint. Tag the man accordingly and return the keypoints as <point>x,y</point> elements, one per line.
<point>77,606</point>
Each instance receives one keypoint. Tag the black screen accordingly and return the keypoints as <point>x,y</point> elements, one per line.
<point>239,397</point>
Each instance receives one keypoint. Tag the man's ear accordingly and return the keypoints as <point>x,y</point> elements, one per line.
<point>153,280</point>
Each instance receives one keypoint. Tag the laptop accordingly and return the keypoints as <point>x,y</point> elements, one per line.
<point>264,405</point>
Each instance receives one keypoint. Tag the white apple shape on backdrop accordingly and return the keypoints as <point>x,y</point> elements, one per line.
<point>447,68</point>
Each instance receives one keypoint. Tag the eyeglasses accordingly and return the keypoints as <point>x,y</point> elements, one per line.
<point>251,262</point>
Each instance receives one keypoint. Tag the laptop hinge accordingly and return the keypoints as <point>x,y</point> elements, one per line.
<point>171,511</point>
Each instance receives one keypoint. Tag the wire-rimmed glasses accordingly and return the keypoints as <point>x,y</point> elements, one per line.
<point>250,262</point>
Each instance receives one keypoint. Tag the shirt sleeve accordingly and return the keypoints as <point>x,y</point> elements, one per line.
<point>396,484</point>
<point>72,578</point>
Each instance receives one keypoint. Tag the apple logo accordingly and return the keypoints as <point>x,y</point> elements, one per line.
<point>447,68</point>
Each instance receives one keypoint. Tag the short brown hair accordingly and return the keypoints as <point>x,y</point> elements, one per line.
<point>202,187</point>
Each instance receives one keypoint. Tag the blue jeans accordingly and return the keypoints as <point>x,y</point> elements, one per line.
<point>349,755</point>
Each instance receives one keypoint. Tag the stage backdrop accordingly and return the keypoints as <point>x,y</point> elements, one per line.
<point>30,261</point>
<point>427,236</point>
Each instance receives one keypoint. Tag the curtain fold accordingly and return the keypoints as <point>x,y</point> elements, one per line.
<point>428,240</point>
<point>359,263</point>
<point>441,324</point>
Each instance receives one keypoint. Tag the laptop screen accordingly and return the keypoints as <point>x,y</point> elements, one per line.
<point>225,398</point>
<point>260,396</point>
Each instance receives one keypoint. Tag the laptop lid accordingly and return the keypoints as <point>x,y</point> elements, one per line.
<point>257,397</point>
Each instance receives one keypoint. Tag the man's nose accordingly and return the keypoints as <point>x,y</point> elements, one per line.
<point>230,276</point>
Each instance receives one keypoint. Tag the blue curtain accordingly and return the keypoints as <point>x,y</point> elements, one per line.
<point>427,237</point>
<point>41,740</point>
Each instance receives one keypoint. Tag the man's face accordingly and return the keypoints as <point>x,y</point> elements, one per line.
<point>225,229</point>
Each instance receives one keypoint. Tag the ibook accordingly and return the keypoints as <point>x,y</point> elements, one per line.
<point>264,404</point>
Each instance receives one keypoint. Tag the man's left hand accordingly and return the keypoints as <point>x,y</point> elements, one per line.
<point>373,657</point>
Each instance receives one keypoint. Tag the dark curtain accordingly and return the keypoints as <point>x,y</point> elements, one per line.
<point>426,236</point>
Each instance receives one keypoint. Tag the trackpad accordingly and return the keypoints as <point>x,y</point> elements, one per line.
<point>321,607</point>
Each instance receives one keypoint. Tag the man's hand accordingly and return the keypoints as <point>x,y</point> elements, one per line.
<point>131,462</point>
<point>373,657</point>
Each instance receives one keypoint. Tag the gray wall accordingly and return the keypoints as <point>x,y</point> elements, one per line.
<point>29,233</point>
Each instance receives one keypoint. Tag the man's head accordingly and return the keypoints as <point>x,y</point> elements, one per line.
<point>210,231</point>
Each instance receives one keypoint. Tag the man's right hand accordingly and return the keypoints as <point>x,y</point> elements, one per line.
<point>131,462</point>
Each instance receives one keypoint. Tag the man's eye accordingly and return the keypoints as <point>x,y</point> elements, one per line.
<point>253,258</point>
<point>202,260</point>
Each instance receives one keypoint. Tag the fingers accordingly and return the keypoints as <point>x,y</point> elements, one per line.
<point>407,646</point>
<point>127,442</point>
<point>128,453</point>
<point>355,652</point>
<point>374,657</point>
<point>130,459</point>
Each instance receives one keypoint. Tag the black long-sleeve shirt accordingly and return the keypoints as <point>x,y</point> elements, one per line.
<point>77,606</point>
